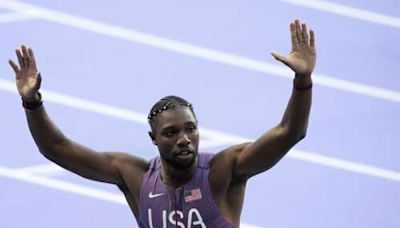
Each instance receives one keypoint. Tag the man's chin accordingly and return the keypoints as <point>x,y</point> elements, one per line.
<point>183,163</point>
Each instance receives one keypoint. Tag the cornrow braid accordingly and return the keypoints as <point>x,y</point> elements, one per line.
<point>165,103</point>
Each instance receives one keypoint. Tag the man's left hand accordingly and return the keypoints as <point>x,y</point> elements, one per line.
<point>302,58</point>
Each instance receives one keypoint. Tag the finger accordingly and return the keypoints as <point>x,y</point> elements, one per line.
<point>279,57</point>
<point>32,58</point>
<point>24,51</point>
<point>14,66</point>
<point>298,31</point>
<point>25,56</point>
<point>19,57</point>
<point>312,38</point>
<point>304,33</point>
<point>293,35</point>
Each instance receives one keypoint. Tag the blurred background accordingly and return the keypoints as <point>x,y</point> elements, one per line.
<point>105,63</point>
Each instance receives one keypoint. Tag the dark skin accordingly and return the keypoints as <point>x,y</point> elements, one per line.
<point>177,138</point>
<point>175,131</point>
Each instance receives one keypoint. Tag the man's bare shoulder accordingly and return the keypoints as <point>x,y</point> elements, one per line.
<point>228,155</point>
<point>227,189</point>
<point>132,170</point>
<point>222,165</point>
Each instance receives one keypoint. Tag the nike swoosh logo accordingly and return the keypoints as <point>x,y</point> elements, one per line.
<point>151,195</point>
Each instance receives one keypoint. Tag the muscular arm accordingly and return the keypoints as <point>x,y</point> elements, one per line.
<point>105,167</point>
<point>70,155</point>
<point>266,151</point>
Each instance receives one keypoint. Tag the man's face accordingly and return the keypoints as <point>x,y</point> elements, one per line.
<point>176,135</point>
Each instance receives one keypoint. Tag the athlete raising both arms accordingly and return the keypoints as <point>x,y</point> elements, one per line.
<point>181,187</point>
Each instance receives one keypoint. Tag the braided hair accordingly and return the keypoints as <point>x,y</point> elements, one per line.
<point>166,103</point>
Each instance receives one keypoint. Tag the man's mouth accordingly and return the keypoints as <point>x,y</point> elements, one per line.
<point>184,154</point>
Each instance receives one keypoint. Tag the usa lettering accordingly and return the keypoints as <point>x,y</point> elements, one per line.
<point>194,219</point>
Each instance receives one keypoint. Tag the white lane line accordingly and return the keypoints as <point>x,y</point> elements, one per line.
<point>348,11</point>
<point>210,143</point>
<point>103,109</point>
<point>137,117</point>
<point>13,17</point>
<point>62,185</point>
<point>192,50</point>
<point>48,169</point>
<point>341,164</point>
<point>71,187</point>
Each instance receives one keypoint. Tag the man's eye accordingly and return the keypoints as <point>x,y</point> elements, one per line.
<point>169,133</point>
<point>190,129</point>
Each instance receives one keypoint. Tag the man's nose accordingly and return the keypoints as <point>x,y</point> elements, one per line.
<point>184,140</point>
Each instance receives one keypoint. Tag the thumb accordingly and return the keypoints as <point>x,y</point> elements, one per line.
<point>279,57</point>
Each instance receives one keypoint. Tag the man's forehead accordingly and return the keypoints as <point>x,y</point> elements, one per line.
<point>177,115</point>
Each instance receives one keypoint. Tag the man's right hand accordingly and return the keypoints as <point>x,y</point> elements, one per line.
<point>26,74</point>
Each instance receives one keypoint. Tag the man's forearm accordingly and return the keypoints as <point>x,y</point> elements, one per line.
<point>295,119</point>
<point>46,135</point>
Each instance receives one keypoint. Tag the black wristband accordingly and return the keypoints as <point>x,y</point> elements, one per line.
<point>31,106</point>
<point>302,88</point>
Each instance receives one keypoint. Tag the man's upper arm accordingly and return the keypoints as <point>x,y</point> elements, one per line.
<point>263,153</point>
<point>98,166</point>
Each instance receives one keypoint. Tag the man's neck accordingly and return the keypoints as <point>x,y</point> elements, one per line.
<point>174,177</point>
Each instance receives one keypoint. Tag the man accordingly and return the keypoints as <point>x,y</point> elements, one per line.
<point>180,188</point>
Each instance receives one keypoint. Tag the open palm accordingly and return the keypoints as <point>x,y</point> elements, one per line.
<point>302,58</point>
<point>26,74</point>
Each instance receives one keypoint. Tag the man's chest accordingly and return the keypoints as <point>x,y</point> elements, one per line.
<point>183,207</point>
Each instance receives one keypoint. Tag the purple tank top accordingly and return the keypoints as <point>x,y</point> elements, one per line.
<point>189,206</point>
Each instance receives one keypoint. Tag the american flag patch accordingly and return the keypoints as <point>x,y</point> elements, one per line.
<point>192,195</point>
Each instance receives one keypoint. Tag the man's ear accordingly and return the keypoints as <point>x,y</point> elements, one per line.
<point>153,138</point>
